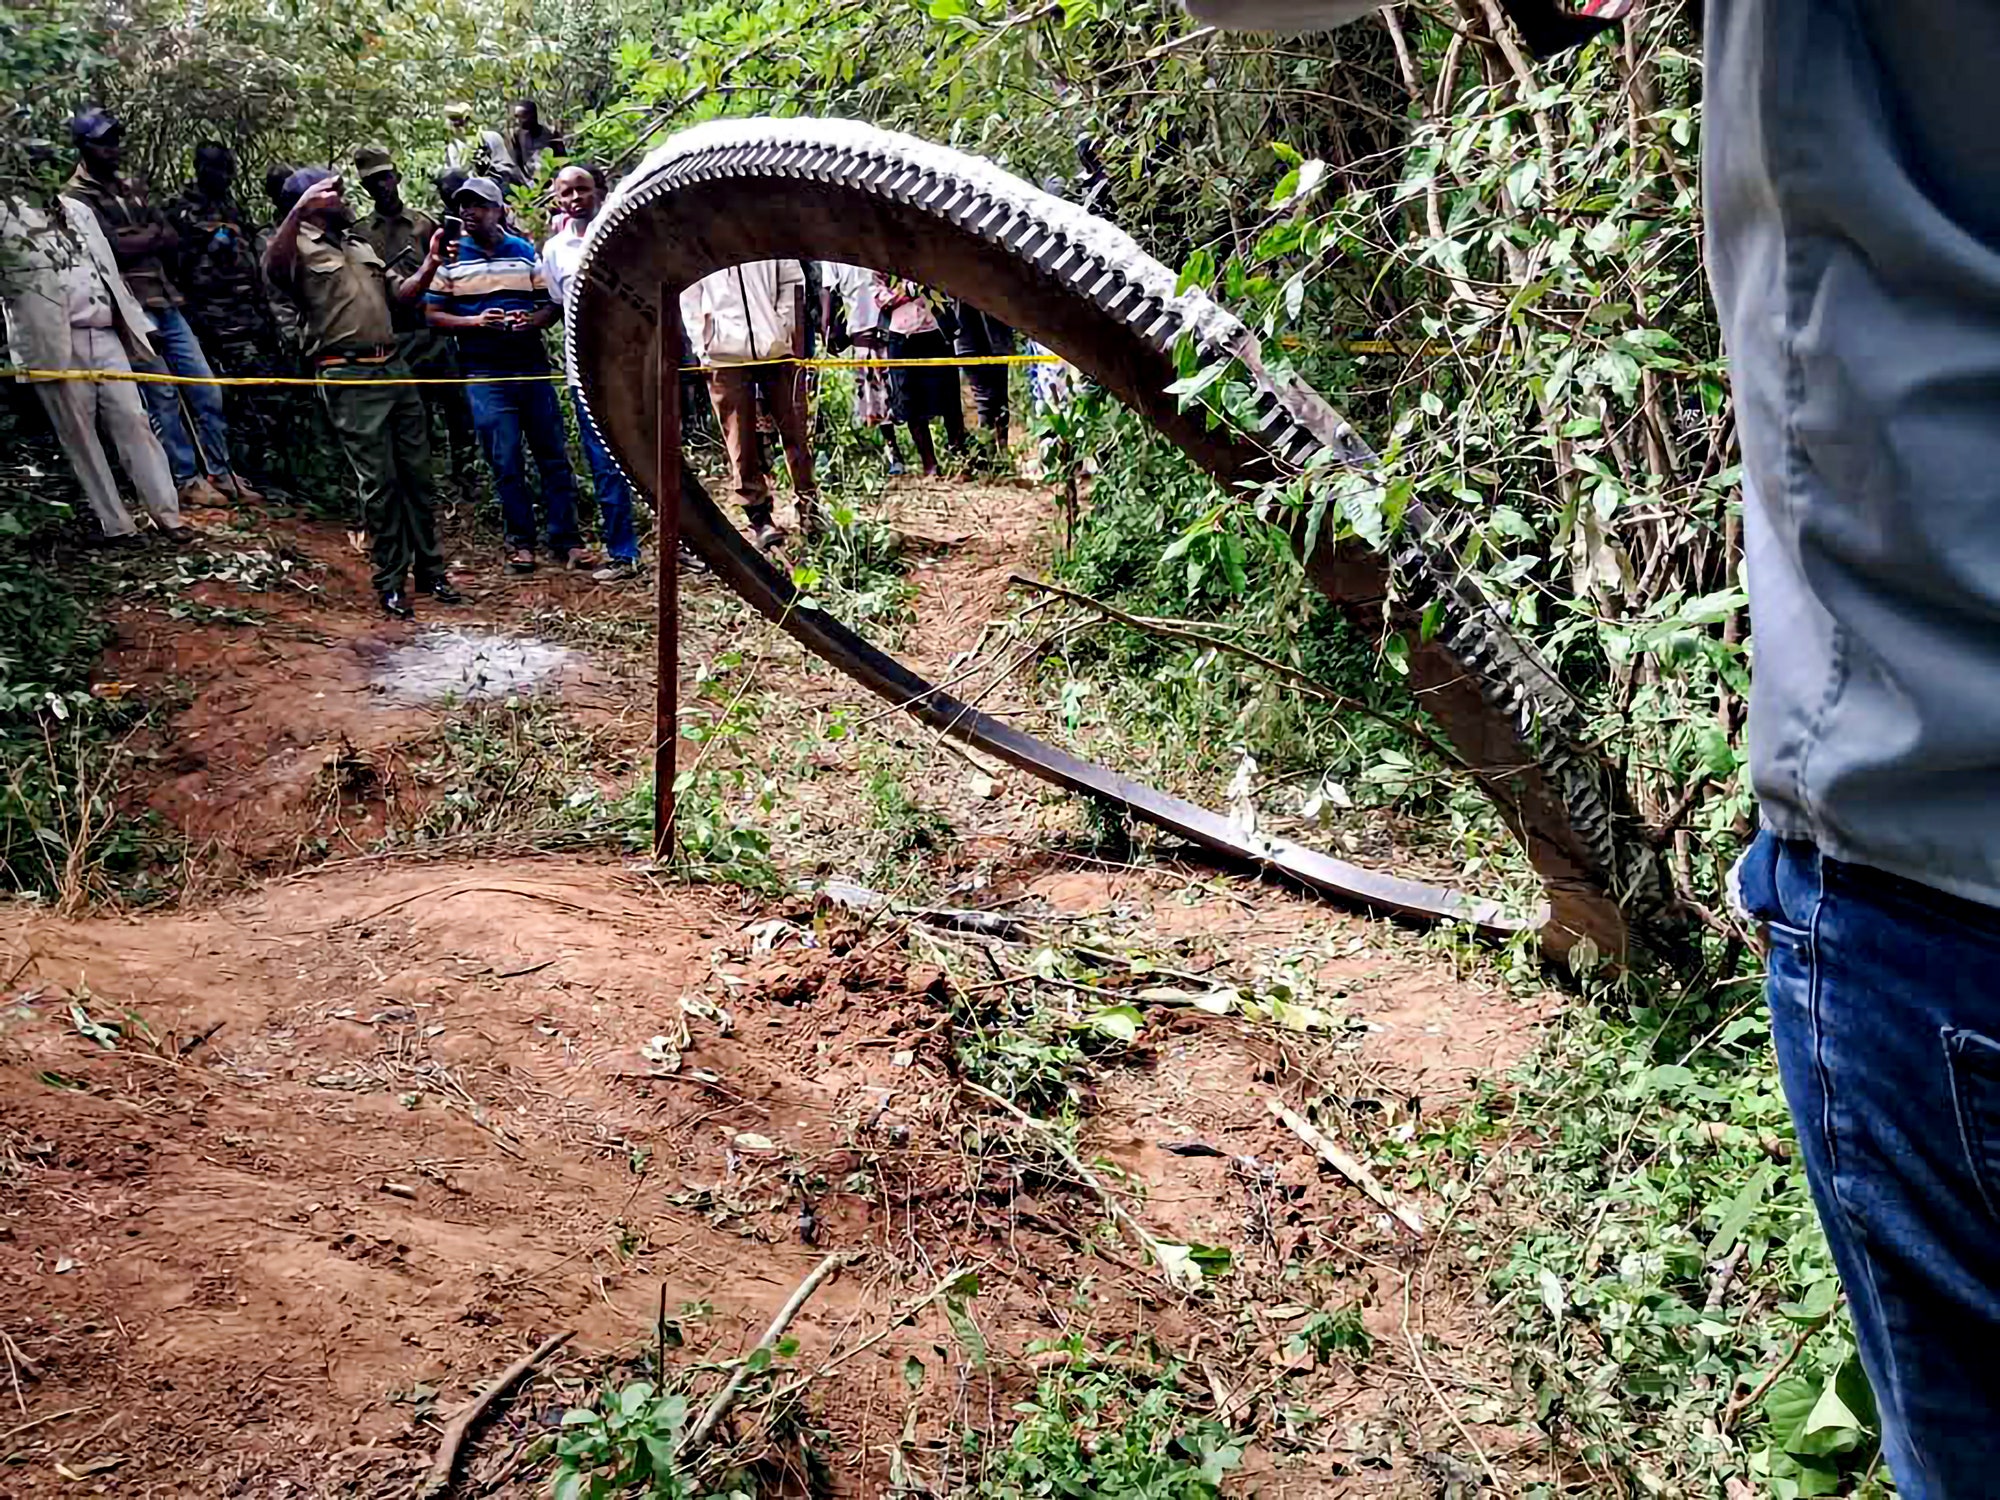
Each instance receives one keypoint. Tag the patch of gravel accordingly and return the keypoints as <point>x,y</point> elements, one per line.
<point>447,662</point>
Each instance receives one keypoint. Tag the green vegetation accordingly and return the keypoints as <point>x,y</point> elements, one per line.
<point>1097,1432</point>
<point>1528,240</point>
<point>64,753</point>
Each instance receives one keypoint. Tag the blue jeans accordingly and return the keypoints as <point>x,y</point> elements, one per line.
<point>1885,1006</point>
<point>177,351</point>
<point>513,417</point>
<point>614,495</point>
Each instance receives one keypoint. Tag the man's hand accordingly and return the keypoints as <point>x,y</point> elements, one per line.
<point>440,244</point>
<point>495,317</point>
<point>322,194</point>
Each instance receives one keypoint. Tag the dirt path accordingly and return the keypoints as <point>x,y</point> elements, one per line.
<point>287,1174</point>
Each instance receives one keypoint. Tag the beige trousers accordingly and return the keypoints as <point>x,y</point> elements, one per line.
<point>77,407</point>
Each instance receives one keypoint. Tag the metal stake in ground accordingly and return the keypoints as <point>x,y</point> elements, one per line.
<point>667,516</point>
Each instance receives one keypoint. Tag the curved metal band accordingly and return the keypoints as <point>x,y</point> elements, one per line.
<point>755,189</point>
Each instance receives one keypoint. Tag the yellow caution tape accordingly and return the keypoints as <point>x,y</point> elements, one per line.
<point>153,377</point>
<point>150,377</point>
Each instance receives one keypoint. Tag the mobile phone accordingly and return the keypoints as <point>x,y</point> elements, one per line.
<point>453,226</point>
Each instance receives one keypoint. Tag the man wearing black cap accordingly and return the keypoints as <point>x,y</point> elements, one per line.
<point>402,236</point>
<point>142,238</point>
<point>344,294</point>
<point>491,297</point>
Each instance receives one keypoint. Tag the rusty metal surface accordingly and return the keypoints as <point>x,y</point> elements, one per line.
<point>752,190</point>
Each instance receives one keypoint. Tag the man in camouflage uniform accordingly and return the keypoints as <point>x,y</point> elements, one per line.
<point>344,294</point>
<point>402,236</point>
<point>216,270</point>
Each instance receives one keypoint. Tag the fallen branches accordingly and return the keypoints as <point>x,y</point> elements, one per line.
<point>438,1480</point>
<point>724,1398</point>
<point>1737,1404</point>
<point>1180,1273</point>
<point>1348,1167</point>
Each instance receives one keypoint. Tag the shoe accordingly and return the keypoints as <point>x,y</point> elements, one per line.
<point>397,603</point>
<point>441,590</point>
<point>521,560</point>
<point>767,536</point>
<point>357,541</point>
<point>130,541</point>
<point>691,562</point>
<point>580,559</point>
<point>815,517</point>
<point>179,536</point>
<point>618,570</point>
<point>242,490</point>
<point>199,494</point>
<point>895,468</point>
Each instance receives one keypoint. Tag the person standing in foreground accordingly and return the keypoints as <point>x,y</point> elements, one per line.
<point>344,291</point>
<point>579,194</point>
<point>67,308</point>
<point>491,296</point>
<point>402,236</point>
<point>742,321</point>
<point>1852,199</point>
<point>141,238</point>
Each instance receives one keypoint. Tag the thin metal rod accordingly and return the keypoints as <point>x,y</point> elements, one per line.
<point>667,513</point>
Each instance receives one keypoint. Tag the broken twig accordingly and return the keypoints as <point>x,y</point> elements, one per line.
<point>1180,1273</point>
<point>719,1407</point>
<point>438,1480</point>
<point>1347,1167</point>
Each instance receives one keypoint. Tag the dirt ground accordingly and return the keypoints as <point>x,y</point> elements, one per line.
<point>371,1127</point>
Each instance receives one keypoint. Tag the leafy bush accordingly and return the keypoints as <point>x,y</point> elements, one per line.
<point>1098,1433</point>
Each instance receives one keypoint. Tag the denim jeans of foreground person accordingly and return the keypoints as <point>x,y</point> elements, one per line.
<point>614,495</point>
<point>178,352</point>
<point>514,417</point>
<point>1885,1006</point>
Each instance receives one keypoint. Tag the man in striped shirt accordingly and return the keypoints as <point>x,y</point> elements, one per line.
<point>490,296</point>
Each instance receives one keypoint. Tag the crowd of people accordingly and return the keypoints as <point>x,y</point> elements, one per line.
<point>364,299</point>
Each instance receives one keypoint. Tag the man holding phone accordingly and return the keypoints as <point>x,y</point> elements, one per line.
<point>402,235</point>
<point>490,296</point>
<point>344,293</point>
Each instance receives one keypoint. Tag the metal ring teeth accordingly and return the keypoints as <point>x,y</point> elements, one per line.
<point>1549,726</point>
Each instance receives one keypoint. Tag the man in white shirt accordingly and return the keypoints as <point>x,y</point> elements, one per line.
<point>740,321</point>
<point>67,308</point>
<point>579,192</point>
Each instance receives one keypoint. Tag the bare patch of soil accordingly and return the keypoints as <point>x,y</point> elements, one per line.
<point>284,1178</point>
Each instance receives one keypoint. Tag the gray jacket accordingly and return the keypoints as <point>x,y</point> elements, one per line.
<point>1852,185</point>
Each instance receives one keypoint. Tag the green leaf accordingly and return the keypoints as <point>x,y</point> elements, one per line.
<point>1787,1404</point>
<point>1198,271</point>
<point>1749,1198</point>
<point>1119,1022</point>
<point>759,1360</point>
<point>913,1372</point>
<point>967,1332</point>
<point>1214,1260</point>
